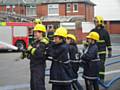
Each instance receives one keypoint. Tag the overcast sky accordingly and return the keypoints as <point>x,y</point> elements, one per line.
<point>109,9</point>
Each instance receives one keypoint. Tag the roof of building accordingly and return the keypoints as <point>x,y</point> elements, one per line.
<point>63,1</point>
<point>14,2</point>
<point>33,2</point>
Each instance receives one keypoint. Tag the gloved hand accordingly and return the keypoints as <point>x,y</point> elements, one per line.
<point>23,55</point>
<point>109,54</point>
<point>29,47</point>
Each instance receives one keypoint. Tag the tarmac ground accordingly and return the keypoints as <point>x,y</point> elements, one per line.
<point>15,75</point>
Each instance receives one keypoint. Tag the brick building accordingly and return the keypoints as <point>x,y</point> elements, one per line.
<point>40,8</point>
<point>84,8</point>
<point>53,12</point>
<point>23,7</point>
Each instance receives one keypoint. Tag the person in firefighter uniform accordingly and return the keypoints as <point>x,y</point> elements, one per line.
<point>74,57</point>
<point>37,58</point>
<point>91,63</point>
<point>61,74</point>
<point>103,43</point>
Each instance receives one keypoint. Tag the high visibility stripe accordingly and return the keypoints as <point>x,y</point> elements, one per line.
<point>108,46</point>
<point>66,62</point>
<point>102,73</point>
<point>102,52</point>
<point>64,81</point>
<point>33,51</point>
<point>89,77</point>
<point>95,60</point>
<point>75,61</point>
<point>44,40</point>
<point>101,41</point>
<point>50,58</point>
<point>51,35</point>
<point>29,48</point>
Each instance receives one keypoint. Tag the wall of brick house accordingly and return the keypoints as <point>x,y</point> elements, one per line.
<point>81,10</point>
<point>20,10</point>
<point>42,10</point>
<point>2,8</point>
<point>89,12</point>
<point>62,10</point>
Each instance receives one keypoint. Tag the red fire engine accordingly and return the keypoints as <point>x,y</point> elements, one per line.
<point>15,33</point>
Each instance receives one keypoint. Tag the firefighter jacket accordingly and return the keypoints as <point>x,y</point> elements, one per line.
<point>37,64</point>
<point>104,41</point>
<point>91,63</point>
<point>61,72</point>
<point>50,35</point>
<point>73,52</point>
<point>38,55</point>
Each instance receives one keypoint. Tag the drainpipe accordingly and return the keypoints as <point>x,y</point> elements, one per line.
<point>85,11</point>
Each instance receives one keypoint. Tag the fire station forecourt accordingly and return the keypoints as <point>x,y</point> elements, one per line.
<point>15,75</point>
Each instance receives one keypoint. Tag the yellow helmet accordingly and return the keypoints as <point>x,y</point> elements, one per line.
<point>72,37</point>
<point>37,21</point>
<point>61,31</point>
<point>40,27</point>
<point>100,20</point>
<point>93,35</point>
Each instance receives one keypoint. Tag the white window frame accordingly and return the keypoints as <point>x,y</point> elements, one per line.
<point>8,8</point>
<point>68,7</point>
<point>13,9</point>
<point>74,7</point>
<point>28,12</point>
<point>53,6</point>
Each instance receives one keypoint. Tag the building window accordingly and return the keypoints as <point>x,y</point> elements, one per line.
<point>8,8</point>
<point>68,7</point>
<point>31,10</point>
<point>13,9</point>
<point>75,7</point>
<point>53,10</point>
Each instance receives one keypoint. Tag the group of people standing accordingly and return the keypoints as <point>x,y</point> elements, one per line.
<point>65,58</point>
